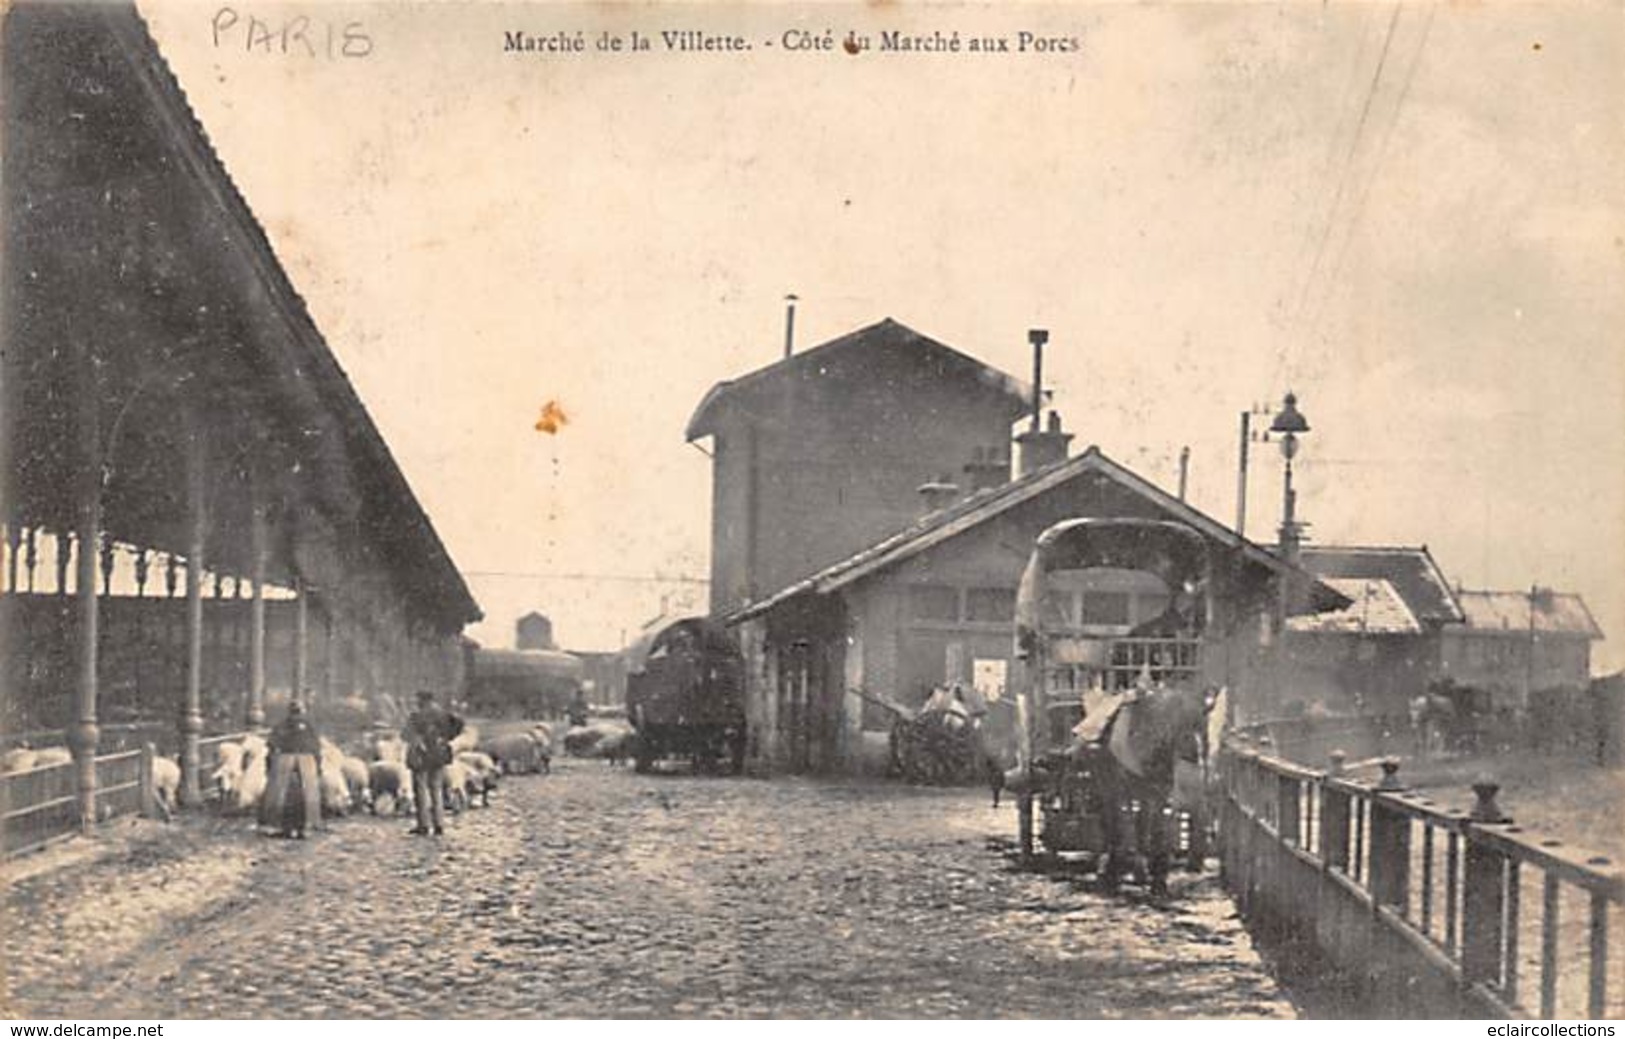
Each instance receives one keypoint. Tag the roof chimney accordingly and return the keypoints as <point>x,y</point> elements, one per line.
<point>1043,448</point>
<point>988,467</point>
<point>937,494</point>
<point>1038,337</point>
<point>789,324</point>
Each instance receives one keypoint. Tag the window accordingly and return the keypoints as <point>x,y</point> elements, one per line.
<point>990,604</point>
<point>1105,608</point>
<point>933,602</point>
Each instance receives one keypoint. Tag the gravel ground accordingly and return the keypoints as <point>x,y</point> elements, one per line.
<point>599,893</point>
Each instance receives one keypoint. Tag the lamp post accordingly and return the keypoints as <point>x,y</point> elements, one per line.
<point>1289,424</point>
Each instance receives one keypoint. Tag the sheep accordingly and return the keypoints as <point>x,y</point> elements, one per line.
<point>357,780</point>
<point>228,772</point>
<point>166,784</point>
<point>482,778</point>
<point>616,746</point>
<point>255,777</point>
<point>582,740</point>
<point>454,788</point>
<point>514,753</point>
<point>468,739</point>
<point>389,779</point>
<point>390,748</point>
<point>52,756</point>
<point>20,759</point>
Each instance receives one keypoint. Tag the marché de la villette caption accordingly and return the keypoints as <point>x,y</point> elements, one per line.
<point>693,40</point>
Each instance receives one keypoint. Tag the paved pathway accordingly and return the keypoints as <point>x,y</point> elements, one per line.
<point>596,892</point>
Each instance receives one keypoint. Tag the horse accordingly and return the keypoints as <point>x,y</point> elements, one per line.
<point>1135,762</point>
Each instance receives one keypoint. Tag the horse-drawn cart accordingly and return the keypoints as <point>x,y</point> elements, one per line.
<point>1105,717</point>
<point>939,743</point>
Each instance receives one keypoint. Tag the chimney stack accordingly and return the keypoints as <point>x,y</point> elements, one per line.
<point>789,324</point>
<point>937,494</point>
<point>1038,337</point>
<point>1041,449</point>
<point>988,467</point>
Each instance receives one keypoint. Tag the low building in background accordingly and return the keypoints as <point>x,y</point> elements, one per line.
<point>1383,649</point>
<point>1521,646</point>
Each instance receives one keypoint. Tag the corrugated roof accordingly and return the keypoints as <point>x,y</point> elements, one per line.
<point>1551,613</point>
<point>967,513</point>
<point>886,332</point>
<point>1410,571</point>
<point>1376,608</point>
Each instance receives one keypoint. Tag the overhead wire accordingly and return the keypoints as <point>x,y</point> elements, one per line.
<point>1376,167</point>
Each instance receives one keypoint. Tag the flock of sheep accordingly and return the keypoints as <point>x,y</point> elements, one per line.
<point>363,782</point>
<point>380,779</point>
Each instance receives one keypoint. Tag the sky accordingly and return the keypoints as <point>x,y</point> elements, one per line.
<point>1410,216</point>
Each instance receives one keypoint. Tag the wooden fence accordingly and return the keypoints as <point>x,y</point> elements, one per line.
<point>1418,910</point>
<point>40,805</point>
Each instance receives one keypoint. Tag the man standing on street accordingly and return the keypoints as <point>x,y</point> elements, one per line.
<point>428,736</point>
<point>295,746</point>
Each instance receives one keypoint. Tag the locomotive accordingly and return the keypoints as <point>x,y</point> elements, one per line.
<point>685,696</point>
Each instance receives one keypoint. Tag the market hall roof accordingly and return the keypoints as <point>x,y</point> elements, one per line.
<point>855,354</point>
<point>138,246</point>
<point>967,513</point>
<point>1410,571</point>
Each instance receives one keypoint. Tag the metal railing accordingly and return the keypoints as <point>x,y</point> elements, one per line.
<point>1420,899</point>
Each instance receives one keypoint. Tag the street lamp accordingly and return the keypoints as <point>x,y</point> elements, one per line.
<point>1289,424</point>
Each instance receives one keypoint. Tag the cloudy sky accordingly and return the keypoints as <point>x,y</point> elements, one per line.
<point>1412,216</point>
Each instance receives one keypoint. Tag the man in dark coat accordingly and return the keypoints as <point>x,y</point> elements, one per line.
<point>295,751</point>
<point>428,734</point>
<point>577,711</point>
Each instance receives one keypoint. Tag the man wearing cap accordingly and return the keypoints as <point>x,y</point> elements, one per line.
<point>428,734</point>
<point>295,748</point>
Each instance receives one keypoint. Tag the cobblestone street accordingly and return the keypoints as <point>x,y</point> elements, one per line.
<point>597,892</point>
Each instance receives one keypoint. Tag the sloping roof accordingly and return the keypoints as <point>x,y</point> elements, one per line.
<point>884,334</point>
<point>1551,613</point>
<point>398,509</point>
<point>1410,571</point>
<point>967,513</point>
<point>1375,608</point>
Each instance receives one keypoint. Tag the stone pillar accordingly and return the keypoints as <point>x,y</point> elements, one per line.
<point>191,727</point>
<point>256,616</point>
